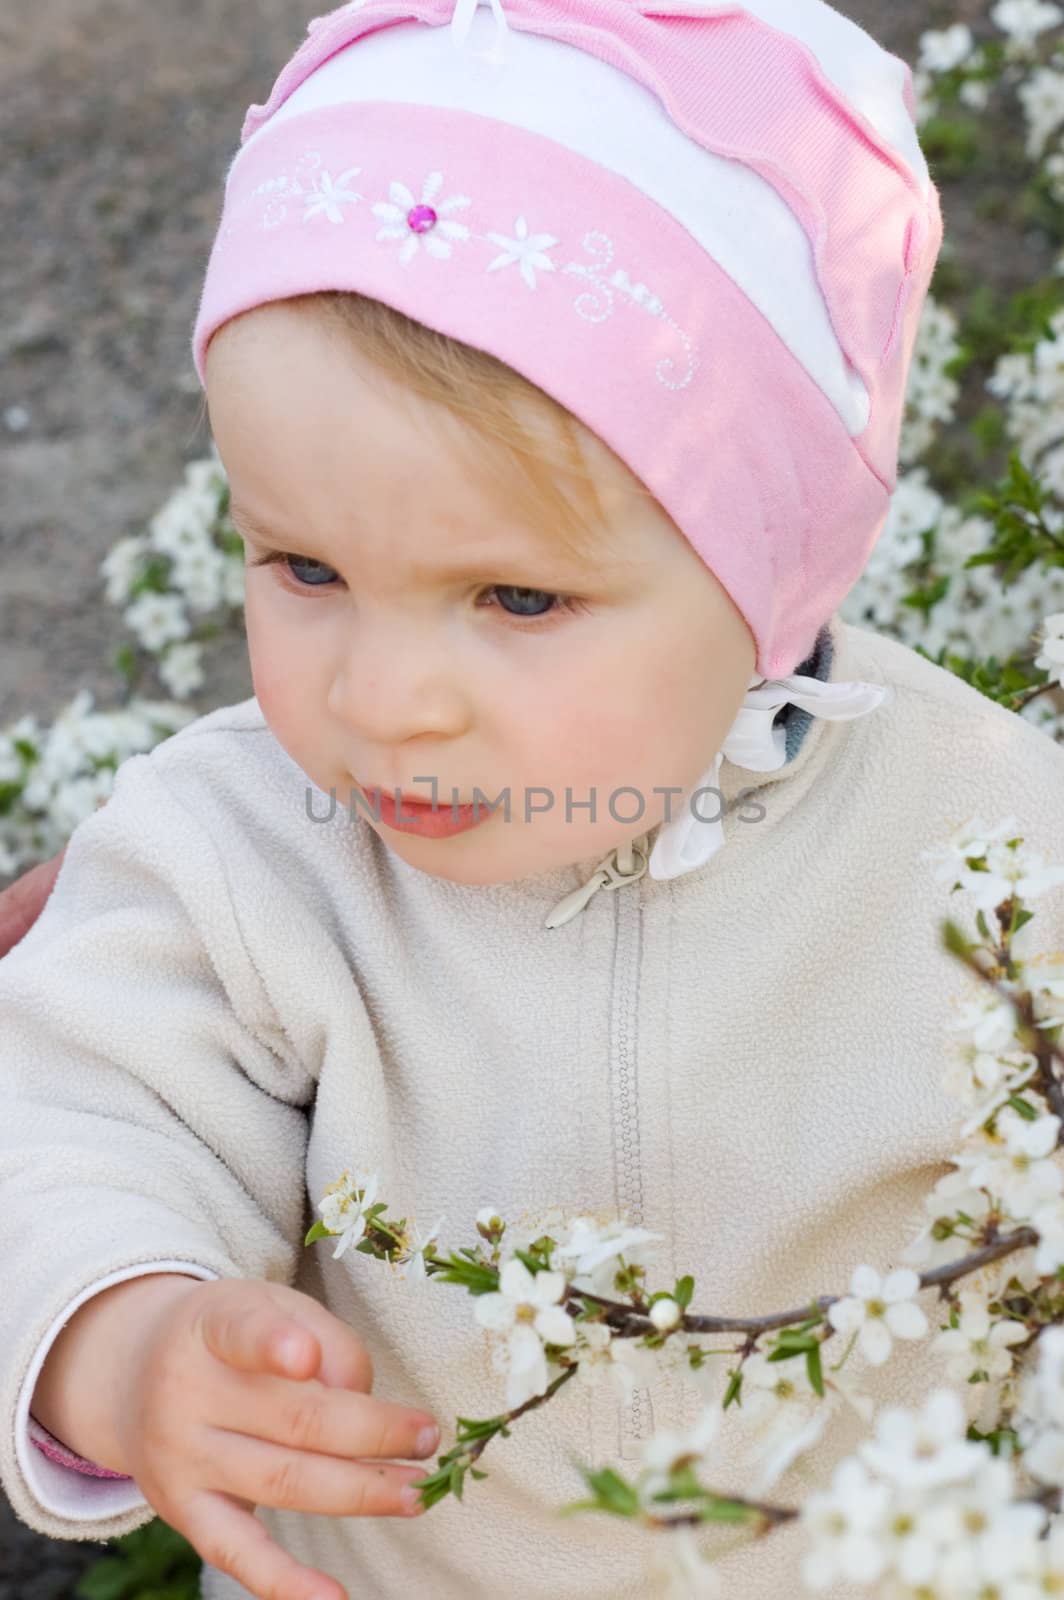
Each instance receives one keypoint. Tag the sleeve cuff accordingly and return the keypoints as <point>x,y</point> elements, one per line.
<point>62,1482</point>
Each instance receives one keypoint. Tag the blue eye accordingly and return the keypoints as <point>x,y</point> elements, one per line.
<point>316,567</point>
<point>512,589</point>
<point>316,575</point>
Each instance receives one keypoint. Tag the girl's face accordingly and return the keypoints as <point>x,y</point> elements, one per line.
<point>420,630</point>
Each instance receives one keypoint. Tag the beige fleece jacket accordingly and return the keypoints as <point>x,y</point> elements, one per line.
<point>224,1004</point>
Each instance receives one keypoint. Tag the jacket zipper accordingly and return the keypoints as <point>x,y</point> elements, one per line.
<point>623,865</point>
<point>635,1417</point>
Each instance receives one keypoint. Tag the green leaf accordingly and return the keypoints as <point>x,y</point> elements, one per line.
<point>685,1288</point>
<point>813,1367</point>
<point>719,1510</point>
<point>318,1231</point>
<point>107,1579</point>
<point>614,1493</point>
<point>124,662</point>
<point>475,1276</point>
<point>152,1563</point>
<point>734,1389</point>
<point>475,1428</point>
<point>1023,1107</point>
<point>533,1263</point>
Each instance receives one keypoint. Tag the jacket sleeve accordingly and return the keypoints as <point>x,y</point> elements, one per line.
<point>64,1484</point>
<point>153,1109</point>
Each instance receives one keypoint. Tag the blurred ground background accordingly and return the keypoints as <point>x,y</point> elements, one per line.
<point>118,119</point>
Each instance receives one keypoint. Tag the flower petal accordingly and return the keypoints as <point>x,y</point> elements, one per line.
<point>906,1320</point>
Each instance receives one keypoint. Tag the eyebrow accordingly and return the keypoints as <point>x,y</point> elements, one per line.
<point>524,561</point>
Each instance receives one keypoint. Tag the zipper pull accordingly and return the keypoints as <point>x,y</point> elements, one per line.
<point>607,875</point>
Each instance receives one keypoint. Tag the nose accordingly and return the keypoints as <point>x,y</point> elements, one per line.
<point>396,686</point>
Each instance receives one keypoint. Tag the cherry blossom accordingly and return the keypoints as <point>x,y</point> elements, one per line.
<point>525,1309</point>
<point>879,1309</point>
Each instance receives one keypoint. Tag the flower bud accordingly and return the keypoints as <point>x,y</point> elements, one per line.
<point>665,1314</point>
<point>490,1225</point>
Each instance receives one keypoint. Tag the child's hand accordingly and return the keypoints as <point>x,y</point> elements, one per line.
<point>22,902</point>
<point>244,1393</point>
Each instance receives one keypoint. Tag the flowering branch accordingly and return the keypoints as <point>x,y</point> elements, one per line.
<point>554,1298</point>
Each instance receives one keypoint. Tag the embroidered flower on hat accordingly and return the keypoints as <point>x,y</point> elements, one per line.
<point>329,195</point>
<point>419,225</point>
<point>528,250</point>
<point>414,223</point>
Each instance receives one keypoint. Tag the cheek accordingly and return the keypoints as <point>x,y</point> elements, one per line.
<point>275,664</point>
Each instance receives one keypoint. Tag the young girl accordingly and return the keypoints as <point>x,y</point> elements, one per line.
<point>556,359</point>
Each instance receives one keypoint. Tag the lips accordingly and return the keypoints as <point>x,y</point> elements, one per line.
<point>421,817</point>
<point>415,800</point>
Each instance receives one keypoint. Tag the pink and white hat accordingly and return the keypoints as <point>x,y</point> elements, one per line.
<point>707,230</point>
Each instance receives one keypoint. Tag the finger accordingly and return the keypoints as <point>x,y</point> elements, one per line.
<point>345,1361</point>
<point>331,1422</point>
<point>295,1480</point>
<point>23,901</point>
<point>252,1336</point>
<point>229,1537</point>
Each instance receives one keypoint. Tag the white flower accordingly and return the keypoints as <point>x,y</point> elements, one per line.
<point>626,1360</point>
<point>942,51</point>
<point>328,195</point>
<point>156,619</point>
<point>589,1245</point>
<point>11,763</point>
<point>435,239</point>
<point>122,566</point>
<point>525,249</point>
<point>991,1020</point>
<point>526,1309</point>
<point>198,574</point>
<point>1041,1387</point>
<point>970,841</point>
<point>412,1266</point>
<point>845,1524</point>
<point>1003,872</point>
<point>975,93</point>
<point>594,1352</point>
<point>1024,20</point>
<point>975,1346</point>
<point>788,1438</point>
<point>181,669</point>
<point>1049,1222</point>
<point>995,1545</point>
<point>343,1210</point>
<point>1051,659</point>
<point>184,522</point>
<point>877,1308</point>
<point>926,1449</point>
<point>678,1568</point>
<point>1017,1168</point>
<point>671,1450</point>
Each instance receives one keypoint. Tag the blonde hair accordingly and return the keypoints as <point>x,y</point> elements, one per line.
<point>535,457</point>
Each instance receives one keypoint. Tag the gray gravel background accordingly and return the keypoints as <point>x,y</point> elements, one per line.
<point>118,119</point>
